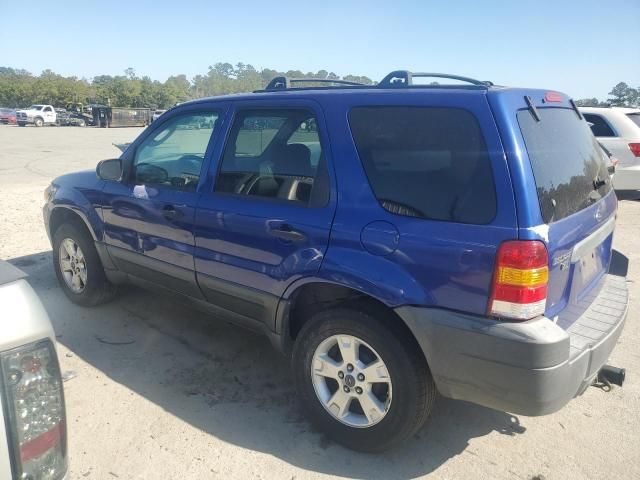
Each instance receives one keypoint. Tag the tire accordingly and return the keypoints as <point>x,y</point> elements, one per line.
<point>22,124</point>
<point>96,289</point>
<point>81,123</point>
<point>38,122</point>
<point>411,389</point>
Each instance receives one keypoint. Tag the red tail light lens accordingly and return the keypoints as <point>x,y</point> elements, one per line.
<point>519,290</point>
<point>34,401</point>
<point>635,149</point>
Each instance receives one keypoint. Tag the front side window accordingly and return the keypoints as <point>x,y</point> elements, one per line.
<point>426,162</point>
<point>173,155</point>
<point>275,154</point>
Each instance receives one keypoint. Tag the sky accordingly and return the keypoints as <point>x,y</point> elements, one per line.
<point>582,47</point>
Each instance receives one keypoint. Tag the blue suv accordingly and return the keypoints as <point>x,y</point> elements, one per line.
<point>394,240</point>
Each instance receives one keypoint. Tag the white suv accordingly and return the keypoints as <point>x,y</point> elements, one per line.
<point>618,129</point>
<point>33,432</point>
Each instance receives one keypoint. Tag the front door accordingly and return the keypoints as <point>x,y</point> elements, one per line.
<point>149,216</point>
<point>267,220</point>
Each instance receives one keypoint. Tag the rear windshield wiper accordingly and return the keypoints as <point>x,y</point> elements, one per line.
<point>532,108</point>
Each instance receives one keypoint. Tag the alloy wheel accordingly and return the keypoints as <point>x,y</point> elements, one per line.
<point>351,381</point>
<point>73,265</point>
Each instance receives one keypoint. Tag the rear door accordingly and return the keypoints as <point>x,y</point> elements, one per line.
<point>267,219</point>
<point>576,203</point>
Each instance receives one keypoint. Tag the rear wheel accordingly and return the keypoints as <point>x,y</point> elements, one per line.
<point>363,382</point>
<point>38,122</point>
<point>82,123</point>
<point>78,267</point>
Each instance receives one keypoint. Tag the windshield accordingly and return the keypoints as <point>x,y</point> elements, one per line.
<point>36,107</point>
<point>567,162</point>
<point>635,117</point>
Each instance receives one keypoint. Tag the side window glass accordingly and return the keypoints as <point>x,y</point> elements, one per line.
<point>173,155</point>
<point>426,162</point>
<point>275,154</point>
<point>47,109</point>
<point>599,125</point>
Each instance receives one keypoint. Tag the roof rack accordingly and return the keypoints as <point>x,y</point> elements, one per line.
<point>396,79</point>
<point>284,83</point>
<point>404,78</point>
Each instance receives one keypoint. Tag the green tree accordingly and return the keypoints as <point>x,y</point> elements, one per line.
<point>623,95</point>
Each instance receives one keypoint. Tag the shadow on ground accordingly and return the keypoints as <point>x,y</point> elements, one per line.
<point>231,384</point>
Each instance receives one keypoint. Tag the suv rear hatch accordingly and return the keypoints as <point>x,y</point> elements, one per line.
<point>577,205</point>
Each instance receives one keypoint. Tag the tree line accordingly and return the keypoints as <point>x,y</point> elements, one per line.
<point>622,95</point>
<point>20,88</point>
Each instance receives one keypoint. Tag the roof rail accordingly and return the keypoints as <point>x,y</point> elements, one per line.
<point>284,83</point>
<point>404,78</point>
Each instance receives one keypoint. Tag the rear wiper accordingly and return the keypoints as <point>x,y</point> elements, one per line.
<point>532,108</point>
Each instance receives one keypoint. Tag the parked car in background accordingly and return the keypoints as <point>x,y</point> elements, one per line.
<point>33,442</point>
<point>618,129</point>
<point>7,116</point>
<point>66,118</point>
<point>38,115</point>
<point>394,240</point>
<point>156,114</point>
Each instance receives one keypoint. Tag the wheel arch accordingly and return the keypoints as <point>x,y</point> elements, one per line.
<point>309,295</point>
<point>65,214</point>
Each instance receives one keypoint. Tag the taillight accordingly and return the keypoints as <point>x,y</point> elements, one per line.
<point>635,149</point>
<point>519,290</point>
<point>34,401</point>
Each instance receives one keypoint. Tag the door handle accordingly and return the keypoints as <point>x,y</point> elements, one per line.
<point>170,213</point>
<point>285,232</point>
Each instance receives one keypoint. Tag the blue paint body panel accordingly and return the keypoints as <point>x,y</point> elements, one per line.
<point>220,244</point>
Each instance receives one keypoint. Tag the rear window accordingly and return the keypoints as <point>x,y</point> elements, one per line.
<point>635,117</point>
<point>567,162</point>
<point>426,162</point>
<point>599,125</point>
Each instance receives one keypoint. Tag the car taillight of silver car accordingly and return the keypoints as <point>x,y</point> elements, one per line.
<point>34,411</point>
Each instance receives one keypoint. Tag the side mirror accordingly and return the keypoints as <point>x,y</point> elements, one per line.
<point>110,169</point>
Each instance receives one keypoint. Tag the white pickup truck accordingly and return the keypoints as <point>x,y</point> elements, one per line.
<point>39,115</point>
<point>33,432</point>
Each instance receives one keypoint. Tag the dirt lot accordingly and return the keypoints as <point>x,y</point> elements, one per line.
<point>185,397</point>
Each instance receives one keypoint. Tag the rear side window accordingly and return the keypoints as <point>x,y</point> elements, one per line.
<point>635,117</point>
<point>426,162</point>
<point>567,162</point>
<point>599,125</point>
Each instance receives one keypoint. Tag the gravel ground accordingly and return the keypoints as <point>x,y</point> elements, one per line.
<point>186,397</point>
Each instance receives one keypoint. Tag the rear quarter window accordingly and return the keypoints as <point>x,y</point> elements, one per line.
<point>426,162</point>
<point>599,125</point>
<point>568,164</point>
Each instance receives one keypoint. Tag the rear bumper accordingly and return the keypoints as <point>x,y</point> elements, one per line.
<point>528,368</point>
<point>627,178</point>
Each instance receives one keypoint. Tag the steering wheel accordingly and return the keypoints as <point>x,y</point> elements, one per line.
<point>194,161</point>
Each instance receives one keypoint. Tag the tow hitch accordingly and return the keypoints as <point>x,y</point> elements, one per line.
<point>609,375</point>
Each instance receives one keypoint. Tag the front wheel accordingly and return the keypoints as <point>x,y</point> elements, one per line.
<point>22,124</point>
<point>78,267</point>
<point>38,122</point>
<point>362,379</point>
